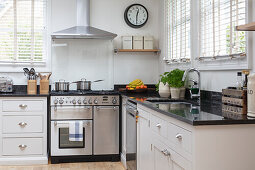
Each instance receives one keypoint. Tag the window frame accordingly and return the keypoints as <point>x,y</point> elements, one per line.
<point>236,64</point>
<point>45,66</point>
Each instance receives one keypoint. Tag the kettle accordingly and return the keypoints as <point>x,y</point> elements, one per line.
<point>251,95</point>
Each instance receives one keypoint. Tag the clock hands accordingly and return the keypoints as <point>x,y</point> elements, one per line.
<point>137,15</point>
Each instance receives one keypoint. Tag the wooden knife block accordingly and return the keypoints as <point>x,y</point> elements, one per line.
<point>31,87</point>
<point>44,86</point>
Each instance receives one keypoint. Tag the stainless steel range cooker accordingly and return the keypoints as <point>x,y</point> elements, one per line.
<point>99,111</point>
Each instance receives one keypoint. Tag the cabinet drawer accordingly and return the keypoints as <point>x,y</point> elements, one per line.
<point>22,146</point>
<point>22,124</point>
<point>159,125</point>
<point>23,106</point>
<point>181,138</point>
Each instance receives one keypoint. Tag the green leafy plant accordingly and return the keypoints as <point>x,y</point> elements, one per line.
<point>164,78</point>
<point>176,78</point>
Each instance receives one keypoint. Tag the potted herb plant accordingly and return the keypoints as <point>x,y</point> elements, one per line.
<point>177,85</point>
<point>163,85</point>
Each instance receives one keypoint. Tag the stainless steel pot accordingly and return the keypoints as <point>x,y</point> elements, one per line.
<point>85,85</point>
<point>61,85</point>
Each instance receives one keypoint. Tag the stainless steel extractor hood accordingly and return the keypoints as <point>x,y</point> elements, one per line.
<point>83,30</point>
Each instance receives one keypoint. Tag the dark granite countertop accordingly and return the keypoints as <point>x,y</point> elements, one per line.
<point>22,94</point>
<point>209,113</point>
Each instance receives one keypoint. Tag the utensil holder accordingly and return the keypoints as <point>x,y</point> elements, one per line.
<point>31,87</point>
<point>44,86</point>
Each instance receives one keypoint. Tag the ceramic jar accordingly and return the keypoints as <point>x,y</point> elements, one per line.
<point>164,90</point>
<point>175,93</point>
<point>251,95</point>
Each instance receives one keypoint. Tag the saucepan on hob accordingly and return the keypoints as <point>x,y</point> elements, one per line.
<point>84,84</point>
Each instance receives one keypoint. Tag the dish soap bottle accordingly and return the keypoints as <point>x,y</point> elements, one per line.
<point>251,95</point>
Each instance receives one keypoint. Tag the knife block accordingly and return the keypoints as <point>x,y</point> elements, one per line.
<point>31,87</point>
<point>44,86</point>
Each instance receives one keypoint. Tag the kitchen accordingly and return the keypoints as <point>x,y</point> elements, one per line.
<point>45,118</point>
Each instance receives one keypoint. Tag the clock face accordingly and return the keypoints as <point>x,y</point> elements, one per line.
<point>136,15</point>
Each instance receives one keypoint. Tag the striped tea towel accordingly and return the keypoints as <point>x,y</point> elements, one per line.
<point>76,131</point>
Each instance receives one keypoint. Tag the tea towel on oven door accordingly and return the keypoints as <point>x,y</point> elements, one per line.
<point>76,131</point>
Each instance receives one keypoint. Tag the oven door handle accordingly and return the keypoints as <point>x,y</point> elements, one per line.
<point>58,123</point>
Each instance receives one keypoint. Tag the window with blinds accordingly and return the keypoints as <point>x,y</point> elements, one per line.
<point>178,30</point>
<point>22,31</point>
<point>218,38</point>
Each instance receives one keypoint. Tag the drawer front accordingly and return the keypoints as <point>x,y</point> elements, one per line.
<point>23,105</point>
<point>159,126</point>
<point>22,146</point>
<point>22,124</point>
<point>181,138</point>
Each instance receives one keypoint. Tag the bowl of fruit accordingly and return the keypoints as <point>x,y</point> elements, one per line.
<point>136,86</point>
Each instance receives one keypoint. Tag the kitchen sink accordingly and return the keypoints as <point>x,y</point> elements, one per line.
<point>166,101</point>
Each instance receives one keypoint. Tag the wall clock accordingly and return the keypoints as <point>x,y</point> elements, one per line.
<point>136,15</point>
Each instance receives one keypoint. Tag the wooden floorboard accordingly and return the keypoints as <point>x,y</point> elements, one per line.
<point>70,166</point>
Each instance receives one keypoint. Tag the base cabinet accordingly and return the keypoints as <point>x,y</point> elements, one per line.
<point>144,154</point>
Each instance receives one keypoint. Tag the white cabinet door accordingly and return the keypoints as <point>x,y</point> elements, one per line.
<point>144,154</point>
<point>165,158</point>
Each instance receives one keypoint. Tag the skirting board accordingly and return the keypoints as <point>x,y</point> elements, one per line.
<point>24,161</point>
<point>123,160</point>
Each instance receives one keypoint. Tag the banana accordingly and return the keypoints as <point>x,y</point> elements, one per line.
<point>136,82</point>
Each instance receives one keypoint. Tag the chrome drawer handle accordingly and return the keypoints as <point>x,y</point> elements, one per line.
<point>179,136</point>
<point>22,105</point>
<point>22,146</point>
<point>166,152</point>
<point>158,125</point>
<point>22,124</point>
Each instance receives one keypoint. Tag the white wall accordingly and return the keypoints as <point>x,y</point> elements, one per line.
<point>219,79</point>
<point>92,59</point>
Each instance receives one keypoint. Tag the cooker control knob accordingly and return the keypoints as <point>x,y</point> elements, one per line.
<point>79,101</point>
<point>90,101</point>
<point>114,101</point>
<point>56,101</point>
<point>74,101</point>
<point>95,101</point>
<point>85,101</point>
<point>61,101</point>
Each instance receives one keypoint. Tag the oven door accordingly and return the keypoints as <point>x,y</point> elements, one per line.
<point>60,144</point>
<point>71,112</point>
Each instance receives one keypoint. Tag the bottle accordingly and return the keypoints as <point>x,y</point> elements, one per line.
<point>239,82</point>
<point>245,81</point>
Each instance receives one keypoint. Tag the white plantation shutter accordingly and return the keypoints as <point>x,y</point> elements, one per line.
<point>178,30</point>
<point>22,31</point>
<point>218,38</point>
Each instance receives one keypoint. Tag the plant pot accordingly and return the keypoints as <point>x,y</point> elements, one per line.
<point>164,90</point>
<point>182,92</point>
<point>175,93</point>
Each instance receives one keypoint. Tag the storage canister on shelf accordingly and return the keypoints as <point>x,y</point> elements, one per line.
<point>148,42</point>
<point>127,42</point>
<point>138,42</point>
<point>251,95</point>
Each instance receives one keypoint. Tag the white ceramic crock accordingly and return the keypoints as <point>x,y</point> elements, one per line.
<point>164,90</point>
<point>175,93</point>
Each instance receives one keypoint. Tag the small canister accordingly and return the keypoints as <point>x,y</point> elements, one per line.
<point>127,42</point>
<point>251,95</point>
<point>148,42</point>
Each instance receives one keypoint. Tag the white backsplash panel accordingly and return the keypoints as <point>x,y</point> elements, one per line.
<point>86,58</point>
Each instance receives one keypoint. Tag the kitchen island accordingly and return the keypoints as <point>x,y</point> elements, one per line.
<point>191,137</point>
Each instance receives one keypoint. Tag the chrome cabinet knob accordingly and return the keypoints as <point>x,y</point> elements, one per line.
<point>158,125</point>
<point>56,101</point>
<point>23,105</point>
<point>79,101</point>
<point>22,146</point>
<point>22,124</point>
<point>90,101</point>
<point>74,101</point>
<point>166,152</point>
<point>179,136</point>
<point>61,101</point>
